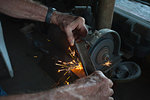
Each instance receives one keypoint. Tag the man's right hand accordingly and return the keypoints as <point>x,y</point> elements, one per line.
<point>94,87</point>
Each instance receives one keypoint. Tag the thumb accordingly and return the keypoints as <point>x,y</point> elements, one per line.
<point>70,36</point>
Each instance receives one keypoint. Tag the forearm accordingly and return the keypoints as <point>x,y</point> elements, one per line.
<point>55,94</point>
<point>94,87</point>
<point>25,9</point>
<point>34,96</point>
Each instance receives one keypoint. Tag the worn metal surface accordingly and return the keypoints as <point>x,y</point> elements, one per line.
<point>85,58</point>
<point>105,14</point>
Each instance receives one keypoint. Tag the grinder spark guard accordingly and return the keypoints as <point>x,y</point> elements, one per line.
<point>101,46</point>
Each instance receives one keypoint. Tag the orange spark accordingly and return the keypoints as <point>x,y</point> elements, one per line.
<point>108,63</point>
<point>67,82</point>
<point>74,66</point>
<point>58,71</point>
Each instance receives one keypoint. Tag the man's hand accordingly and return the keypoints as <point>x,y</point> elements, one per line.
<point>94,87</point>
<point>73,26</point>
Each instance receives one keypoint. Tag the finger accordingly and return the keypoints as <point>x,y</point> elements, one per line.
<point>105,91</point>
<point>70,36</point>
<point>83,30</point>
<point>111,92</point>
<point>81,27</point>
<point>104,78</point>
<point>79,24</point>
<point>111,98</point>
<point>110,83</point>
<point>99,74</point>
<point>76,36</point>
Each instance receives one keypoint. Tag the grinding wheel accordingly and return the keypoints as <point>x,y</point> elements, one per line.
<point>102,52</point>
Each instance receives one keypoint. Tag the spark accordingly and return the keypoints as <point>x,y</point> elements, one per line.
<point>59,71</point>
<point>74,66</point>
<point>67,82</point>
<point>59,61</point>
<point>48,40</point>
<point>35,56</point>
<point>68,66</point>
<point>108,63</point>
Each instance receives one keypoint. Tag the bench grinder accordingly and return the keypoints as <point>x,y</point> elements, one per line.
<point>101,47</point>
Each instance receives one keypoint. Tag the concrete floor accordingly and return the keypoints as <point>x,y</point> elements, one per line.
<point>30,76</point>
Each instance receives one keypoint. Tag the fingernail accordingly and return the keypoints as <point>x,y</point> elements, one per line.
<point>72,42</point>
